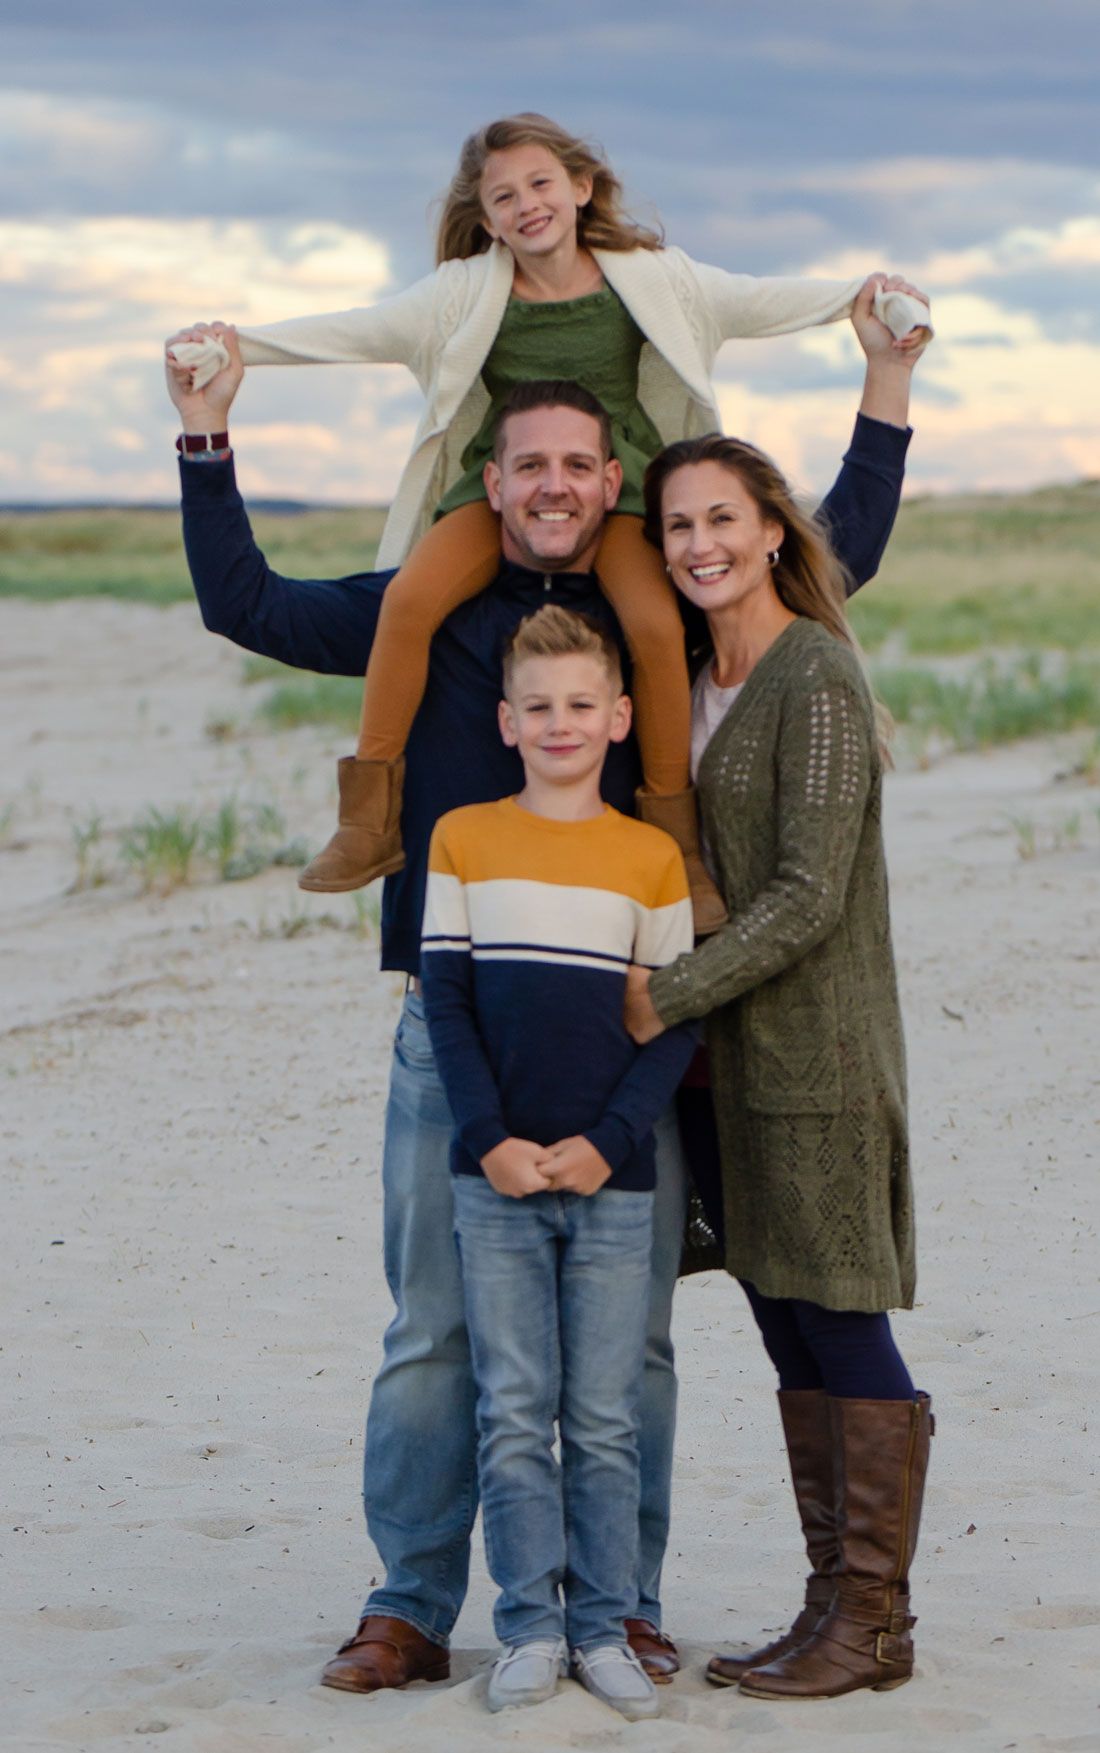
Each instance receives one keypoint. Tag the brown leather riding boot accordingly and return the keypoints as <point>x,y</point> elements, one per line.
<point>367,844</point>
<point>808,1431</point>
<point>880,1455</point>
<point>676,813</point>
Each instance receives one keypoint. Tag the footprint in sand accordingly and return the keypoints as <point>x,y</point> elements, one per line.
<point>219,1527</point>
<point>83,1618</point>
<point>124,1423</point>
<point>1066,1618</point>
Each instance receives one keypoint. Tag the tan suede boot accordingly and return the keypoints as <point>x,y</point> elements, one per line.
<point>367,844</point>
<point>880,1455</point>
<point>676,813</point>
<point>808,1430</point>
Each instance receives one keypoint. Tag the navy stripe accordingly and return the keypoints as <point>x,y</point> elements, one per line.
<point>555,949</point>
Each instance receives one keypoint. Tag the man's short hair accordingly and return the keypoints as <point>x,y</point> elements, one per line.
<point>555,632</point>
<point>558,392</point>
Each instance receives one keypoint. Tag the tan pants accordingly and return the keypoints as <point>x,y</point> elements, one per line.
<point>455,560</point>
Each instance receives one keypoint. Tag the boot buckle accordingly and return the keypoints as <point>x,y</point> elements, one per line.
<point>886,1648</point>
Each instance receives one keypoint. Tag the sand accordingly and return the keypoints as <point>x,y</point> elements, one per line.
<point>192,1090</point>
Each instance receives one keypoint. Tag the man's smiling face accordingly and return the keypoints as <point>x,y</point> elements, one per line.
<point>553,487</point>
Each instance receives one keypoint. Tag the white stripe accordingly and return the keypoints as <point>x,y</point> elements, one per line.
<point>559,958</point>
<point>555,917</point>
<point>445,906</point>
<point>664,934</point>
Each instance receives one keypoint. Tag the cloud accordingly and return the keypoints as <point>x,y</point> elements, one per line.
<point>91,301</point>
<point>156,167</point>
<point>155,269</point>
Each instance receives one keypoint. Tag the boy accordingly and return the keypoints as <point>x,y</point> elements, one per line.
<point>536,906</point>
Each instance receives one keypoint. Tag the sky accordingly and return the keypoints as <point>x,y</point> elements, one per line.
<point>255,161</point>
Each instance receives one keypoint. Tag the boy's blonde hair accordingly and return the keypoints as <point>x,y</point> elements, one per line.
<point>557,632</point>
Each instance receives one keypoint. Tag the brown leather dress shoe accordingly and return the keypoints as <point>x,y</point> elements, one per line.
<point>656,1652</point>
<point>385,1652</point>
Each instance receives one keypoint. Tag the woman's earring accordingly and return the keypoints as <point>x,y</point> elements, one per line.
<point>773,557</point>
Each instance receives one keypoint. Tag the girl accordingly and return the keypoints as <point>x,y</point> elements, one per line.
<point>807,1149</point>
<point>541,275</point>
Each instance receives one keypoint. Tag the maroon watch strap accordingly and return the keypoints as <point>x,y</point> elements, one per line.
<point>189,442</point>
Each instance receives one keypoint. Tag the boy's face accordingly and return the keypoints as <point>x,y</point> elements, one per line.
<point>561,713</point>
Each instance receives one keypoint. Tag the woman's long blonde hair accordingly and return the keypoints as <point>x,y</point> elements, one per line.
<point>809,578</point>
<point>601,224</point>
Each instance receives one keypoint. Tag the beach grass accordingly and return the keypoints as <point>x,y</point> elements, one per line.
<point>309,699</point>
<point>137,555</point>
<point>990,703</point>
<point>1008,581</point>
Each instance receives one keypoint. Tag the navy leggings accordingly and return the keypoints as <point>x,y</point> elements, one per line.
<point>849,1353</point>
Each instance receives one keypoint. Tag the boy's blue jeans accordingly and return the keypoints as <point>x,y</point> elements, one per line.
<point>420,1471</point>
<point>557,1292</point>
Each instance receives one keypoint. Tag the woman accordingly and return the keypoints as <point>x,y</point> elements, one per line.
<point>541,275</point>
<point>805,1045</point>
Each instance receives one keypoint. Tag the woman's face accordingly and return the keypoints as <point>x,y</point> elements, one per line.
<point>529,201</point>
<point>716,544</point>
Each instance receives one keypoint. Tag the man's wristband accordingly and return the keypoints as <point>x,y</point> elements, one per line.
<point>188,443</point>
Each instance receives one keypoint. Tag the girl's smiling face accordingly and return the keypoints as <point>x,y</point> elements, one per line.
<point>529,200</point>
<point>716,544</point>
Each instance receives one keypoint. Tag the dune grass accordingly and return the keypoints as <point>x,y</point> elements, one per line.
<point>972,573</point>
<point>1006,580</point>
<point>991,703</point>
<point>137,555</point>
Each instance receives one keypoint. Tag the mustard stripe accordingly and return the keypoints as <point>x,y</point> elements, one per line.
<point>498,842</point>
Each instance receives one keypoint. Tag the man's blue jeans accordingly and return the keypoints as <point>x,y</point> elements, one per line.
<point>420,1461</point>
<point>557,1295</point>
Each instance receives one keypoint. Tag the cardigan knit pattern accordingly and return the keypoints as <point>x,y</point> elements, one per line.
<point>443,328</point>
<point>529,927</point>
<point>799,990</point>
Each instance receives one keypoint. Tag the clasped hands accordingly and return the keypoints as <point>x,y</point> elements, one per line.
<point>518,1167</point>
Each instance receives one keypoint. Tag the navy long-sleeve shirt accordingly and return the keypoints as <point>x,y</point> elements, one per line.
<point>454,754</point>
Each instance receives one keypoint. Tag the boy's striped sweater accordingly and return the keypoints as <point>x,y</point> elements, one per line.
<point>529,928</point>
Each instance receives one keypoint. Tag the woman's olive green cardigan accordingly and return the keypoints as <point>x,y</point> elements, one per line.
<point>799,991</point>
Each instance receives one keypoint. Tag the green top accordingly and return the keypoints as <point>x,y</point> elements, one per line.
<point>595,341</point>
<point>798,989</point>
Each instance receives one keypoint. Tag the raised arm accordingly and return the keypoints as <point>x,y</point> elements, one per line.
<point>745,306</point>
<point>860,508</point>
<point>316,624</point>
<point>392,332</point>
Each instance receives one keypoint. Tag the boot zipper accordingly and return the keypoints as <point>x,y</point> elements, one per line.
<point>903,1532</point>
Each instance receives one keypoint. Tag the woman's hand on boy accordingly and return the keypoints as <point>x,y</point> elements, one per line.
<point>576,1166</point>
<point>517,1167</point>
<point>639,1013</point>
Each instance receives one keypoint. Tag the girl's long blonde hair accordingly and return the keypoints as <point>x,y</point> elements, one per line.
<point>809,579</point>
<point>601,224</point>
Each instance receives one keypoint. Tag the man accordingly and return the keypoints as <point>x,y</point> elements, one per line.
<point>553,482</point>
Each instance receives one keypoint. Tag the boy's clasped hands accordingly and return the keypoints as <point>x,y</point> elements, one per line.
<point>517,1167</point>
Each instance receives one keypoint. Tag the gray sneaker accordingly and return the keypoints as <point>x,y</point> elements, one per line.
<point>528,1673</point>
<point>614,1674</point>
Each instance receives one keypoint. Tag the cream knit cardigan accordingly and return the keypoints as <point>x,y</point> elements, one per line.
<point>444,326</point>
